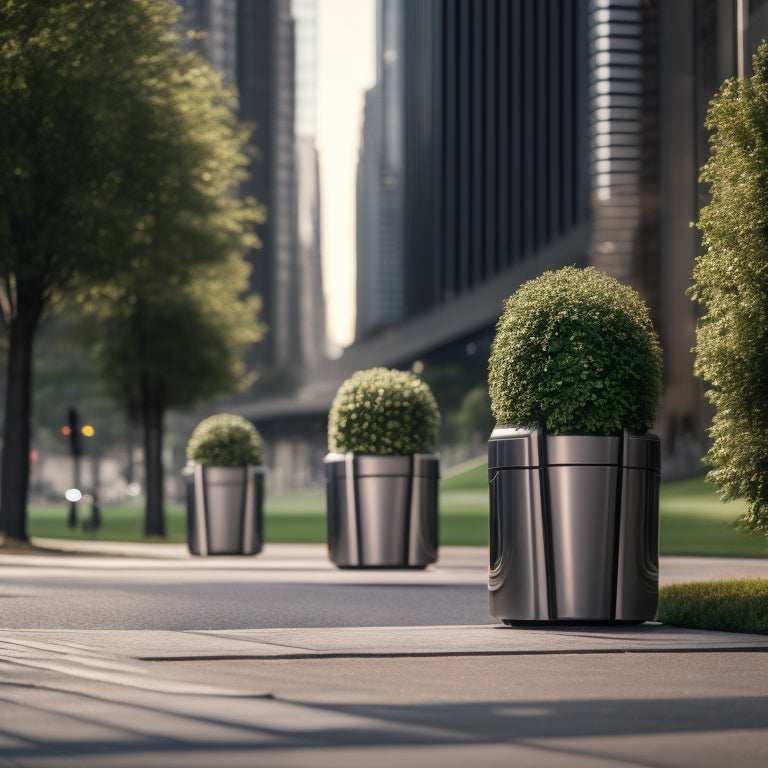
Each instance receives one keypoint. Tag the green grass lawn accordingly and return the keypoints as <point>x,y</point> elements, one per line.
<point>693,521</point>
<point>732,606</point>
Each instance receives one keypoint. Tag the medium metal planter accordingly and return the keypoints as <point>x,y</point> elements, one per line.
<point>573,527</point>
<point>224,509</point>
<point>382,510</point>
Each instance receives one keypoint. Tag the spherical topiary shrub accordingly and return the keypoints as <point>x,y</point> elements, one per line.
<point>225,440</point>
<point>383,412</point>
<point>575,352</point>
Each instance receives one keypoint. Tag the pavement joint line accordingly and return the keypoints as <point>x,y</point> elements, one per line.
<point>100,649</point>
<point>257,641</point>
<point>452,654</point>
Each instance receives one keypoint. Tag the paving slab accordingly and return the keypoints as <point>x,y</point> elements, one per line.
<point>460,640</point>
<point>447,695</point>
<point>661,710</point>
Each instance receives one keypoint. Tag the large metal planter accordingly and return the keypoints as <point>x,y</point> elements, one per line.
<point>382,510</point>
<point>574,527</point>
<point>224,509</point>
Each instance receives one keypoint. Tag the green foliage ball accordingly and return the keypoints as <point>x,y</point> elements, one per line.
<point>575,352</point>
<point>385,412</point>
<point>225,440</point>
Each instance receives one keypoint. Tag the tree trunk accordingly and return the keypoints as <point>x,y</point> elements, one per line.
<point>14,471</point>
<point>153,407</point>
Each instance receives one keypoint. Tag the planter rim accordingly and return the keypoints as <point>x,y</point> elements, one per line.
<point>382,510</point>
<point>208,531</point>
<point>373,464</point>
<point>504,433</point>
<point>190,466</point>
<point>335,456</point>
<point>513,448</point>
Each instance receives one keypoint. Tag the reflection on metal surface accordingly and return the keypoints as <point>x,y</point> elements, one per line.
<point>382,510</point>
<point>224,509</point>
<point>574,526</point>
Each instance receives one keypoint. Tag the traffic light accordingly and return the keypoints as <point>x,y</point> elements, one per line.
<point>72,430</point>
<point>75,432</point>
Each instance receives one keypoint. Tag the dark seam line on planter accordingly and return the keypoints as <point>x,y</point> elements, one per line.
<point>546,516</point>
<point>245,546</point>
<point>559,464</point>
<point>440,654</point>
<point>492,544</point>
<point>356,507</point>
<point>582,464</point>
<point>618,505</point>
<point>408,508</point>
<point>206,520</point>
<point>652,531</point>
<point>258,511</point>
<point>542,465</point>
<point>436,516</point>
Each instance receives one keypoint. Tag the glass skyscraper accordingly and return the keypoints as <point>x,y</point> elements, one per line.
<point>267,49</point>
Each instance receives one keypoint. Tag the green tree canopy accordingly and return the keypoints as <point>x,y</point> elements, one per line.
<point>731,286</point>
<point>119,160</point>
<point>160,346</point>
<point>187,340</point>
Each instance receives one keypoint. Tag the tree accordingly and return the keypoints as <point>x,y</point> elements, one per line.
<point>473,422</point>
<point>731,286</point>
<point>160,348</point>
<point>111,139</point>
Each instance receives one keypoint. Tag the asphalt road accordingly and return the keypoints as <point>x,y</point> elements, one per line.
<point>117,603</point>
<point>287,586</point>
<point>301,589</point>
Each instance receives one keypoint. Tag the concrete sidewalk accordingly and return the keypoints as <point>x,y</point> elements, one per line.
<point>462,694</point>
<point>473,560</point>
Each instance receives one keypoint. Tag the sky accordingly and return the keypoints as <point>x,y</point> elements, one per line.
<point>346,69</point>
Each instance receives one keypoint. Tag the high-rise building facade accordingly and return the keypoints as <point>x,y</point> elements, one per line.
<point>543,133</point>
<point>379,283</point>
<point>312,341</point>
<point>252,43</point>
<point>540,133</point>
<point>495,115</point>
<point>305,18</point>
<point>380,267</point>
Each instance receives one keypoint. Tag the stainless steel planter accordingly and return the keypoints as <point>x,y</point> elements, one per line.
<point>382,510</point>
<point>574,526</point>
<point>224,509</point>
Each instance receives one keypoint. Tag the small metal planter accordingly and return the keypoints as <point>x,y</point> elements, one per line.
<point>574,527</point>
<point>382,510</point>
<point>224,509</point>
